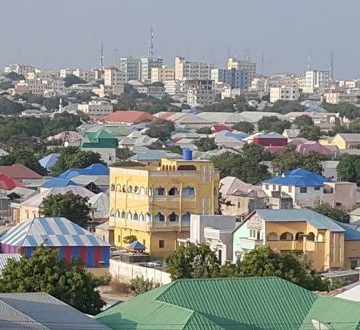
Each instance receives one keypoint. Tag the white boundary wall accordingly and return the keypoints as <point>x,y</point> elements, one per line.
<point>131,271</point>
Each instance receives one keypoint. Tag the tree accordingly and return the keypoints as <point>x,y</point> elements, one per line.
<point>59,123</point>
<point>226,105</point>
<point>289,265</point>
<point>72,80</point>
<point>312,133</point>
<point>244,126</point>
<point>204,130</point>
<point>289,160</point>
<point>285,107</point>
<point>336,214</point>
<point>161,129</point>
<point>71,157</point>
<point>44,272</point>
<point>129,239</point>
<point>354,126</point>
<point>303,120</point>
<point>123,153</point>
<point>139,285</point>
<point>193,261</point>
<point>206,144</point>
<point>348,168</point>
<point>27,158</point>
<point>8,107</point>
<point>273,124</point>
<point>70,206</point>
<point>13,76</point>
<point>347,110</point>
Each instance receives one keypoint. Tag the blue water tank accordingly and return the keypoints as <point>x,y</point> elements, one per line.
<point>187,154</point>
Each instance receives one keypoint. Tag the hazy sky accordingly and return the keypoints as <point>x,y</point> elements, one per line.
<point>60,33</point>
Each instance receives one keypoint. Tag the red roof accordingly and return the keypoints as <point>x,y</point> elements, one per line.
<point>166,115</point>
<point>8,183</point>
<point>129,117</point>
<point>19,172</point>
<point>275,149</point>
<point>219,128</point>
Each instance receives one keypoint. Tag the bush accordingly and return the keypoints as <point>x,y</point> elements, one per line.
<point>129,239</point>
<point>139,285</point>
<point>120,287</point>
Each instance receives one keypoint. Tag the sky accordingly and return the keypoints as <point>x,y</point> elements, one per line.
<point>284,33</point>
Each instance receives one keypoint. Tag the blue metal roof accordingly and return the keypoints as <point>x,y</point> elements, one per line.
<point>351,231</point>
<point>299,177</point>
<point>54,231</point>
<point>49,161</point>
<point>317,220</point>
<point>239,135</point>
<point>58,183</point>
<point>94,169</point>
<point>136,245</point>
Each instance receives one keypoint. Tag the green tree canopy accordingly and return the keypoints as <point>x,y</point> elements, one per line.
<point>70,206</point>
<point>348,110</point>
<point>303,120</point>
<point>273,124</point>
<point>289,160</point>
<point>123,153</point>
<point>13,76</point>
<point>71,157</point>
<point>226,105</point>
<point>161,129</point>
<point>312,133</point>
<point>244,126</point>
<point>193,261</point>
<point>285,107</point>
<point>60,122</point>
<point>204,130</point>
<point>336,214</point>
<point>72,80</point>
<point>43,272</point>
<point>290,266</point>
<point>348,168</point>
<point>206,144</point>
<point>8,107</point>
<point>27,158</point>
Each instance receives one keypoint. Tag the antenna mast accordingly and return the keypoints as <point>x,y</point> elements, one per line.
<point>151,44</point>
<point>101,56</point>
<point>332,66</point>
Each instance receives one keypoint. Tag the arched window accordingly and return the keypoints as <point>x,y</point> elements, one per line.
<point>174,191</point>
<point>136,216</point>
<point>159,217</point>
<point>185,216</point>
<point>136,190</point>
<point>150,191</point>
<point>112,212</point>
<point>148,217</point>
<point>124,189</point>
<point>159,191</point>
<point>141,217</point>
<point>117,213</point>
<point>173,217</point>
<point>142,191</point>
<point>123,214</point>
<point>311,236</point>
<point>129,216</point>
<point>118,188</point>
<point>130,189</point>
<point>186,168</point>
<point>188,191</point>
<point>112,187</point>
<point>272,237</point>
<point>299,236</point>
<point>286,236</point>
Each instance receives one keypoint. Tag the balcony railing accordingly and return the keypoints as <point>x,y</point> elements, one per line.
<point>152,226</point>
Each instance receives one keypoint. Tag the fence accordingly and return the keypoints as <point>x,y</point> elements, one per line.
<point>130,271</point>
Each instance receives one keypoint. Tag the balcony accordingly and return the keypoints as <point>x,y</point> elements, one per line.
<point>152,226</point>
<point>286,245</point>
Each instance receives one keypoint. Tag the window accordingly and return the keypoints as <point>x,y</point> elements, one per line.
<point>185,217</point>
<point>174,191</point>
<point>317,188</point>
<point>173,217</point>
<point>160,191</point>
<point>303,190</point>
<point>159,217</point>
<point>286,236</point>
<point>290,189</point>
<point>161,244</point>
<point>311,236</point>
<point>119,238</point>
<point>272,237</point>
<point>266,186</point>
<point>274,187</point>
<point>238,204</point>
<point>188,191</point>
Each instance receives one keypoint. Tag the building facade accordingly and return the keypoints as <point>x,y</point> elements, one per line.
<point>199,92</point>
<point>191,70</point>
<point>235,78</point>
<point>155,203</point>
<point>130,68</point>
<point>284,93</point>
<point>146,65</point>
<point>162,74</point>
<point>248,68</point>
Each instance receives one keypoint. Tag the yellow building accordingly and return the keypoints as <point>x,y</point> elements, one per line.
<point>343,141</point>
<point>154,203</point>
<point>327,244</point>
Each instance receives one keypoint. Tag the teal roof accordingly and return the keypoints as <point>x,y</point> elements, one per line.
<point>101,139</point>
<point>351,232</point>
<point>317,220</point>
<point>221,303</point>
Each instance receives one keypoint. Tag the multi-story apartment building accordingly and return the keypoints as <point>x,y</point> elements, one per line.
<point>113,77</point>
<point>146,65</point>
<point>260,85</point>
<point>315,81</point>
<point>155,203</point>
<point>284,93</point>
<point>175,88</point>
<point>162,74</point>
<point>235,78</point>
<point>19,68</point>
<point>191,70</point>
<point>130,67</point>
<point>199,92</point>
<point>247,66</point>
<point>96,108</point>
<point>156,90</point>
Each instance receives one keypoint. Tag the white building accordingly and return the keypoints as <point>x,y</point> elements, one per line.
<point>247,66</point>
<point>157,91</point>
<point>96,108</point>
<point>176,88</point>
<point>146,65</point>
<point>315,81</point>
<point>191,70</point>
<point>19,68</point>
<point>215,231</point>
<point>113,77</point>
<point>162,74</point>
<point>235,78</point>
<point>284,93</point>
<point>130,67</point>
<point>199,92</point>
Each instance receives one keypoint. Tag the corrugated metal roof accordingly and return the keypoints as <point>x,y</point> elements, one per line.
<point>318,220</point>
<point>54,231</point>
<point>5,257</point>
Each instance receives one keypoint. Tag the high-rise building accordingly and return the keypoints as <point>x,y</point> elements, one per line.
<point>315,81</point>
<point>191,70</point>
<point>146,65</point>
<point>113,77</point>
<point>199,92</point>
<point>247,66</point>
<point>284,93</point>
<point>155,203</point>
<point>235,78</point>
<point>130,67</point>
<point>162,74</point>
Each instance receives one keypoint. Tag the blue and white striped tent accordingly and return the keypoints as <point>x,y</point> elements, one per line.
<point>71,240</point>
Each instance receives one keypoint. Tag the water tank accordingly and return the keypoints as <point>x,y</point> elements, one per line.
<point>187,154</point>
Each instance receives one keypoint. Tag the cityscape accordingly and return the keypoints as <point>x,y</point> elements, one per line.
<point>150,191</point>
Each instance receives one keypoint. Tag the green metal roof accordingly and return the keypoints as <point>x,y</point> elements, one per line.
<point>318,220</point>
<point>222,303</point>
